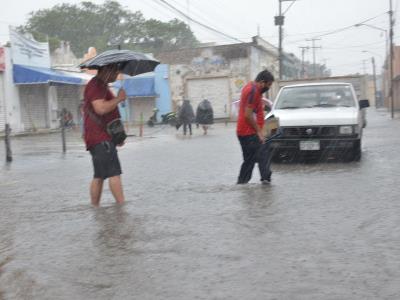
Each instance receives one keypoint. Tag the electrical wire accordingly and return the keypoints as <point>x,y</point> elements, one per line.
<point>167,4</point>
<point>339,29</point>
<point>291,4</point>
<point>216,16</point>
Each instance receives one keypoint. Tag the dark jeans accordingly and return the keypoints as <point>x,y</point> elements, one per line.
<point>254,152</point>
<point>185,125</point>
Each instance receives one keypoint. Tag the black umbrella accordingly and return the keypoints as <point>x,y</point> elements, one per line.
<point>129,62</point>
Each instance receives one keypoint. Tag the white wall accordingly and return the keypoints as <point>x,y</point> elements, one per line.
<point>2,104</point>
<point>11,94</point>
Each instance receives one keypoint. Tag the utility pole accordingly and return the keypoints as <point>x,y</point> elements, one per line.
<point>374,78</point>
<point>314,54</point>
<point>303,51</point>
<point>364,66</point>
<point>280,21</point>
<point>391,94</point>
<point>188,13</point>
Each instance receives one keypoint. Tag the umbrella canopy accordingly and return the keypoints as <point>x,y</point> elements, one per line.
<point>129,62</point>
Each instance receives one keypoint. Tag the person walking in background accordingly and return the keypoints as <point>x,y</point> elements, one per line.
<point>186,116</point>
<point>204,115</point>
<point>250,128</point>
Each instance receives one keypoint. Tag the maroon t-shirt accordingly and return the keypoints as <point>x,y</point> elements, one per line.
<point>95,132</point>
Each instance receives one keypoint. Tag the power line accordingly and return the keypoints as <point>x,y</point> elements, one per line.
<point>291,4</point>
<point>341,29</point>
<point>158,9</point>
<point>348,27</point>
<point>197,22</point>
<point>355,46</point>
<point>199,13</point>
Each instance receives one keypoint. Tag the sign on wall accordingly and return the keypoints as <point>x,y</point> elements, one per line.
<point>2,60</point>
<point>28,52</point>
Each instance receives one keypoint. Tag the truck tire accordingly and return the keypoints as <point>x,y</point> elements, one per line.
<point>355,153</point>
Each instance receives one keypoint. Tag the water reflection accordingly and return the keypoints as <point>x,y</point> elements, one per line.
<point>115,234</point>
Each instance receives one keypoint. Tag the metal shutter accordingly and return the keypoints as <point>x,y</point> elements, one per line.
<point>140,105</point>
<point>34,106</point>
<point>69,97</point>
<point>216,90</point>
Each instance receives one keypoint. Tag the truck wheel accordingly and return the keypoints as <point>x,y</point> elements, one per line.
<point>355,153</point>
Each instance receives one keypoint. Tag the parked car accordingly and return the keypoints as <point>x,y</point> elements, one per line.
<point>319,118</point>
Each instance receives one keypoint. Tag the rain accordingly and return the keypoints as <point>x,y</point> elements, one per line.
<point>198,150</point>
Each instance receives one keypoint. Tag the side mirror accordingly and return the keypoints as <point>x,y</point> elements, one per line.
<point>363,103</point>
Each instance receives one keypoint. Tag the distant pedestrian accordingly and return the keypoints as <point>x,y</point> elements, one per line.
<point>204,115</point>
<point>250,129</point>
<point>100,108</point>
<point>186,116</point>
<point>67,118</point>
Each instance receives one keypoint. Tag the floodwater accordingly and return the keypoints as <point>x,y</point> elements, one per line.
<point>318,231</point>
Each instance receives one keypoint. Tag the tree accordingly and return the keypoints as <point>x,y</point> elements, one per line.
<point>106,26</point>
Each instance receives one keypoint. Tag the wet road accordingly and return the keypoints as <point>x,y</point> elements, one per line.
<point>319,231</point>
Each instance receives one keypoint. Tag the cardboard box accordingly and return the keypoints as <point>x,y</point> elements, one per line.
<point>271,126</point>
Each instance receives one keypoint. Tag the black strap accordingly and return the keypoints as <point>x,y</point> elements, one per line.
<point>94,117</point>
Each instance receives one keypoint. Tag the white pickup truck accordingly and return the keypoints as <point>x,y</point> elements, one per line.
<point>319,118</point>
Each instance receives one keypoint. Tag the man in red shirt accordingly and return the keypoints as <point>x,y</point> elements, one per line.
<point>101,107</point>
<point>250,128</point>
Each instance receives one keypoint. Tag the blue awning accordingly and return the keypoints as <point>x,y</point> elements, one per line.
<point>137,86</point>
<point>35,75</point>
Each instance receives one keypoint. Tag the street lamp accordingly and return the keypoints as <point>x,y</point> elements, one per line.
<point>388,50</point>
<point>377,28</point>
<point>373,53</point>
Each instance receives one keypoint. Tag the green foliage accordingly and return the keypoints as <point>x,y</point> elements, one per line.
<point>106,26</point>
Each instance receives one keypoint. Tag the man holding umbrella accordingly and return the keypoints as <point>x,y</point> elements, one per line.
<point>101,109</point>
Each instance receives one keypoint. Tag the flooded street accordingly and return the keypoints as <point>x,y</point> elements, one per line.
<point>318,231</point>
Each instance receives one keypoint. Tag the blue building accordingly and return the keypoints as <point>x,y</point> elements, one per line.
<point>145,92</point>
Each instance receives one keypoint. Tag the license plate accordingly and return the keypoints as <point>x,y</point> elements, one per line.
<point>309,145</point>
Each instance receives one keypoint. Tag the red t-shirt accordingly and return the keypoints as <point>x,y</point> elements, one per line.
<point>95,132</point>
<point>251,97</point>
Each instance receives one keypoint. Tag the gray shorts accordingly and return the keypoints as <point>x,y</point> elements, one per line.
<point>105,160</point>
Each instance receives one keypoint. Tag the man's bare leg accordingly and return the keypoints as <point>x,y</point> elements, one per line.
<point>116,189</point>
<point>205,127</point>
<point>96,189</point>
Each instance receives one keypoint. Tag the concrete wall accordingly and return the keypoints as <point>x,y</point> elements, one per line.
<point>396,83</point>
<point>11,95</point>
<point>2,104</point>
<point>396,96</point>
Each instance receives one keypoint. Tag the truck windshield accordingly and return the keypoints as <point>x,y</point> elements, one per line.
<point>315,96</point>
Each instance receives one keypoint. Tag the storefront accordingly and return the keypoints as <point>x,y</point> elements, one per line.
<point>43,93</point>
<point>32,93</point>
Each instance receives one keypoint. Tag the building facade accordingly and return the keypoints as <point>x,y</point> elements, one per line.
<point>31,92</point>
<point>217,73</point>
<point>396,81</point>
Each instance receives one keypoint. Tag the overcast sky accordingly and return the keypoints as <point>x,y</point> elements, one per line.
<point>342,51</point>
